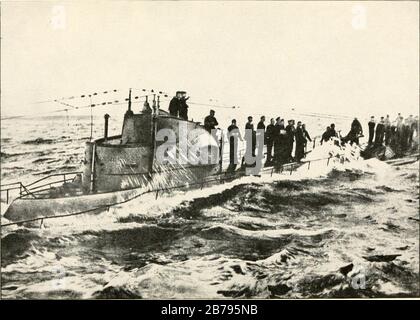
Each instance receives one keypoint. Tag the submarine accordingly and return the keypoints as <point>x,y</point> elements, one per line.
<point>118,168</point>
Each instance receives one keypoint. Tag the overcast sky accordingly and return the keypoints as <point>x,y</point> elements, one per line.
<point>331,57</point>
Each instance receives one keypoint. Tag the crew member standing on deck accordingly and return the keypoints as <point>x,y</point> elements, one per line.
<point>371,125</point>
<point>400,126</point>
<point>174,104</point>
<point>183,106</point>
<point>393,136</point>
<point>326,135</point>
<point>357,130</point>
<point>233,135</point>
<point>300,142</point>
<point>357,126</point>
<point>379,134</point>
<point>261,131</point>
<point>306,136</point>
<point>354,134</point>
<point>261,124</point>
<point>414,127</point>
<point>283,143</point>
<point>333,133</point>
<point>210,121</point>
<point>250,136</point>
<point>277,128</point>
<point>405,134</point>
<point>410,130</point>
<point>290,133</point>
<point>210,124</point>
<point>270,136</point>
<point>388,130</point>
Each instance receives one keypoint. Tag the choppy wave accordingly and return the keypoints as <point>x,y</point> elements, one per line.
<point>347,230</point>
<point>289,238</point>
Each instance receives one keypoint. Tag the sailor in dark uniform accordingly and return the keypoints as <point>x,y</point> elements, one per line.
<point>326,135</point>
<point>380,132</point>
<point>290,133</point>
<point>405,134</point>
<point>414,128</point>
<point>269,138</point>
<point>410,130</point>
<point>306,136</point>
<point>174,104</point>
<point>388,130</point>
<point>233,136</point>
<point>210,121</point>
<point>261,131</point>
<point>261,124</point>
<point>183,106</point>
<point>356,130</point>
<point>300,142</point>
<point>333,133</point>
<point>280,142</point>
<point>250,135</point>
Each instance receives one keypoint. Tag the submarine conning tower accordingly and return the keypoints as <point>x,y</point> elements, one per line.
<point>125,161</point>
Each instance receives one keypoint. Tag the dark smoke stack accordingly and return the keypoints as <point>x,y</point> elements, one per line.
<point>129,112</point>
<point>106,116</point>
<point>129,101</point>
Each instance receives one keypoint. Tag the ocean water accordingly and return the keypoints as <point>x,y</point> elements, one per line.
<point>349,229</point>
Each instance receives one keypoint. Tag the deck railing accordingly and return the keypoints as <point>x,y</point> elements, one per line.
<point>35,187</point>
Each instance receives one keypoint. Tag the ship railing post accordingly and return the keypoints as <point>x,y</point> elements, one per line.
<point>157,194</point>
<point>309,165</point>
<point>7,196</point>
<point>221,152</point>
<point>92,170</point>
<point>328,161</point>
<point>291,168</point>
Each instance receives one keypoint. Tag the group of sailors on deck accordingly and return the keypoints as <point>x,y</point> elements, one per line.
<point>397,134</point>
<point>281,139</point>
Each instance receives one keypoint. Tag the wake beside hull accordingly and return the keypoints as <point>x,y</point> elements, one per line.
<point>27,209</point>
<point>23,209</point>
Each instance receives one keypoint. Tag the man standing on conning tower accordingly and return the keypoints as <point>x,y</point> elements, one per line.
<point>183,106</point>
<point>174,105</point>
